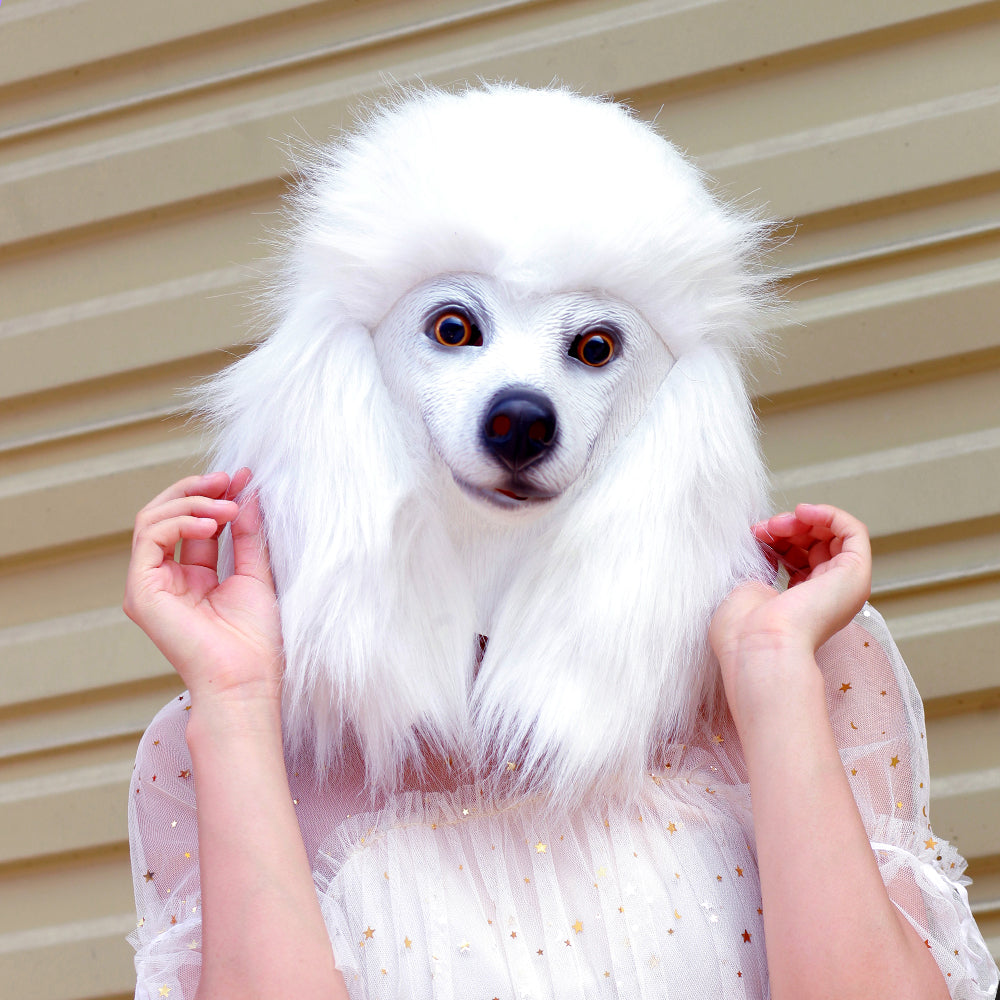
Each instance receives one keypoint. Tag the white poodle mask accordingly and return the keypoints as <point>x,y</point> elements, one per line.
<point>542,215</point>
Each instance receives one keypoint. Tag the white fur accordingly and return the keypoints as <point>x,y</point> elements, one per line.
<point>550,212</point>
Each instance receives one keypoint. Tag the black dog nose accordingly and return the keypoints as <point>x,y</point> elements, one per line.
<point>519,428</point>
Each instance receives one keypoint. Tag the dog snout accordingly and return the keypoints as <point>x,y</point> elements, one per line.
<point>520,427</point>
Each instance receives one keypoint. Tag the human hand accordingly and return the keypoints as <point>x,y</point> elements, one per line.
<point>222,638</point>
<point>759,634</point>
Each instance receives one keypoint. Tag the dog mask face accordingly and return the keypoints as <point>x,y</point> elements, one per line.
<point>503,396</point>
<point>518,394</point>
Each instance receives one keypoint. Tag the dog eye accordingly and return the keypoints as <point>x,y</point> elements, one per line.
<point>455,329</point>
<point>593,348</point>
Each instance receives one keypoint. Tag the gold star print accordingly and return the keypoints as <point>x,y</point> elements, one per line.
<point>746,936</point>
<point>578,927</point>
<point>677,914</point>
<point>527,881</point>
<point>671,827</point>
<point>369,934</point>
<point>717,738</point>
<point>568,945</point>
<point>926,942</point>
<point>142,922</point>
<point>511,766</point>
<point>893,762</point>
<point>149,875</point>
<point>464,946</point>
<point>739,871</point>
<point>670,930</point>
<point>845,687</point>
<point>607,975</point>
<point>384,973</point>
<point>164,991</point>
<point>465,812</point>
<point>739,975</point>
<point>513,934</point>
<point>621,909</point>
<point>173,920</point>
<point>854,770</point>
<point>602,871</point>
<point>156,743</point>
<point>718,878</point>
<point>192,945</point>
<point>540,848</point>
<point>184,774</point>
<point>930,844</point>
<point>540,952</point>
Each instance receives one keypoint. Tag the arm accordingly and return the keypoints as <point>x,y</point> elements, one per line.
<point>831,929</point>
<point>262,931</point>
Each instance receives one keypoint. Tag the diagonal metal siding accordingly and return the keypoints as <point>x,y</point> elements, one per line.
<point>142,152</point>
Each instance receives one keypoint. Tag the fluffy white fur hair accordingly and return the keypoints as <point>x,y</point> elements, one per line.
<point>596,610</point>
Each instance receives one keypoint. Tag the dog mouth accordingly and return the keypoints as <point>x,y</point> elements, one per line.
<point>508,499</point>
<point>508,493</point>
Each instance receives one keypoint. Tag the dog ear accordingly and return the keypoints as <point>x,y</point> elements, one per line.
<point>377,621</point>
<point>600,652</point>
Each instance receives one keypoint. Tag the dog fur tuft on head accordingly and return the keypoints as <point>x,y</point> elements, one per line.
<point>597,600</point>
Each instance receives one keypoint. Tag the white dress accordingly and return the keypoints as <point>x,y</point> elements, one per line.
<point>457,895</point>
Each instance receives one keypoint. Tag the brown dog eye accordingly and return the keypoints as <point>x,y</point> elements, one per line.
<point>454,329</point>
<point>594,348</point>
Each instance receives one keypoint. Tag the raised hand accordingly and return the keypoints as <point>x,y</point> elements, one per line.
<point>757,632</point>
<point>222,638</point>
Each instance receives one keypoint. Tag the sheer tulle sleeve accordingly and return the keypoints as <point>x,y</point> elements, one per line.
<point>163,836</point>
<point>878,722</point>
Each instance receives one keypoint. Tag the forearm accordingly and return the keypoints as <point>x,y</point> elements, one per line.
<point>263,935</point>
<point>831,929</point>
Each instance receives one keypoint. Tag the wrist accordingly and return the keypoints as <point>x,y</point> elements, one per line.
<point>250,712</point>
<point>771,688</point>
<point>778,645</point>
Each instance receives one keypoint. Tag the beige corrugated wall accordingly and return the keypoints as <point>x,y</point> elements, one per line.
<point>142,150</point>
